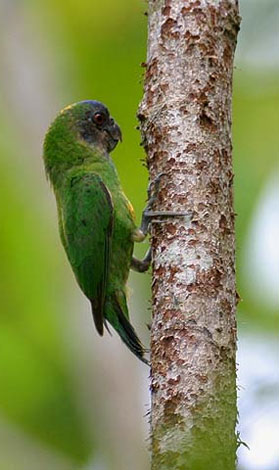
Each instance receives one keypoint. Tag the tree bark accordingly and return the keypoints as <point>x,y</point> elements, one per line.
<point>185,119</point>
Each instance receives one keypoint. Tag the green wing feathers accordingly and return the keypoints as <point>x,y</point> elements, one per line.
<point>86,226</point>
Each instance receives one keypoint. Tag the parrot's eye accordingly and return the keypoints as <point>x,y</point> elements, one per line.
<point>99,118</point>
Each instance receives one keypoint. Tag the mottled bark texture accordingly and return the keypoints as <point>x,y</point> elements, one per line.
<point>185,119</point>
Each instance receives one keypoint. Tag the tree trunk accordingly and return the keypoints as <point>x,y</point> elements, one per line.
<point>185,119</point>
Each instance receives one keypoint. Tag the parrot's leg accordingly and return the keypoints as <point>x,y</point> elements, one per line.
<point>141,265</point>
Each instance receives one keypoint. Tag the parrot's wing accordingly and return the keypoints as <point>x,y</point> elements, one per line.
<point>87,221</point>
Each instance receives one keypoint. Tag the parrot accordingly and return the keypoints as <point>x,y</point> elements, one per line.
<point>96,220</point>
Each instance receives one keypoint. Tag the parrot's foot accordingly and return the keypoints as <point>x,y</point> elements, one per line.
<point>148,214</point>
<point>148,218</point>
<point>151,214</point>
<point>141,265</point>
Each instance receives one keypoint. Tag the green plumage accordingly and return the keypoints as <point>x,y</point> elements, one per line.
<point>96,220</point>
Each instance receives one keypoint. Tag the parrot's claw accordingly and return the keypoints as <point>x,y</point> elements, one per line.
<point>146,217</point>
<point>148,213</point>
<point>156,184</point>
<point>151,214</point>
<point>142,265</point>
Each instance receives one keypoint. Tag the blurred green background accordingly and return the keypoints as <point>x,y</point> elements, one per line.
<point>68,399</point>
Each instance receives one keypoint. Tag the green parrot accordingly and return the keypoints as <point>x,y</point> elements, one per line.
<point>96,220</point>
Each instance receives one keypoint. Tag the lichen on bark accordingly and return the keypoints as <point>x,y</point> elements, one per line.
<point>185,119</point>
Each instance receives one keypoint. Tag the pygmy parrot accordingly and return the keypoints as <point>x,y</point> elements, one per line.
<point>96,220</point>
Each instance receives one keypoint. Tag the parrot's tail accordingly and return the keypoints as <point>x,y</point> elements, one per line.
<point>97,308</point>
<point>121,324</point>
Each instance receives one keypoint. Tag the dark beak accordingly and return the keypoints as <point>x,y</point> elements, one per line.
<point>115,132</point>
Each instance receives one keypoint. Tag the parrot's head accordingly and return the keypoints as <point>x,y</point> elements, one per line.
<point>77,130</point>
<point>95,125</point>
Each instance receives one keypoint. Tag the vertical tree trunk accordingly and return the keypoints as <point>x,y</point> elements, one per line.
<point>185,121</point>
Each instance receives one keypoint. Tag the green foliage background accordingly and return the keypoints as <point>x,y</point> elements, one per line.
<point>51,54</point>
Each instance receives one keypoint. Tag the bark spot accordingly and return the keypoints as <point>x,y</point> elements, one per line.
<point>171,228</point>
<point>183,109</point>
<point>171,417</point>
<point>227,56</point>
<point>190,148</point>
<point>191,38</point>
<point>207,122</point>
<point>169,314</point>
<point>174,381</point>
<point>166,10</point>
<point>223,224</point>
<point>152,68</point>
<point>191,266</point>
<point>225,157</point>
<point>141,117</point>
<point>201,378</point>
<point>154,386</point>
<point>161,271</point>
<point>191,7</point>
<point>167,29</point>
<point>164,87</point>
<point>226,306</point>
<point>202,206</point>
<point>192,242</point>
<point>206,282</point>
<point>173,271</point>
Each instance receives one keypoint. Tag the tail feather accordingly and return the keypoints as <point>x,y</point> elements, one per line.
<point>97,312</point>
<point>127,332</point>
<point>130,338</point>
